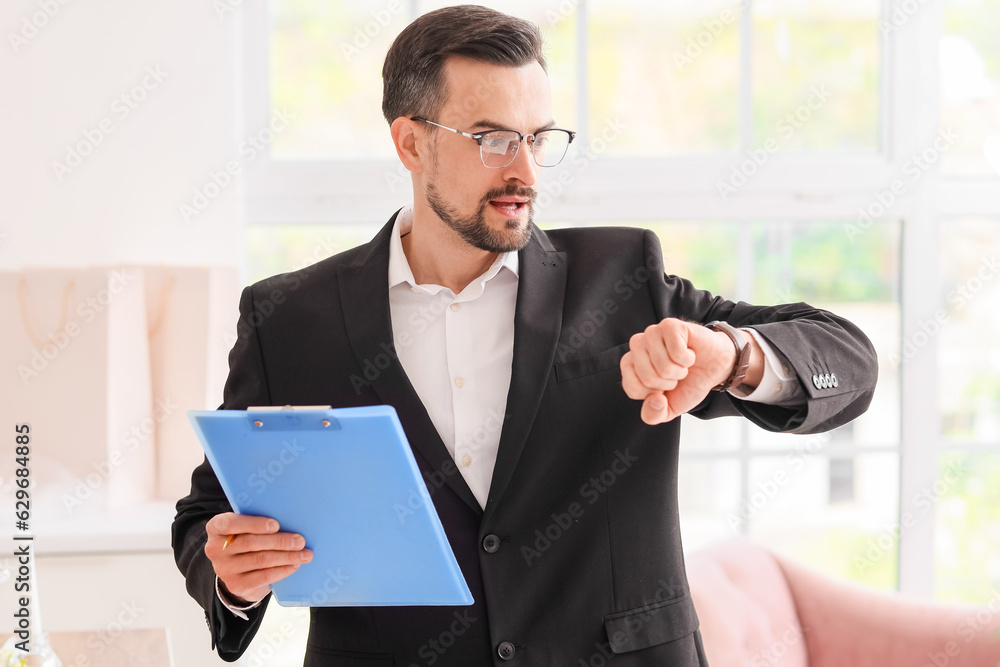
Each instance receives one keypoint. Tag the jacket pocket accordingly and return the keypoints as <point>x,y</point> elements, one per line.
<point>651,625</point>
<point>595,363</point>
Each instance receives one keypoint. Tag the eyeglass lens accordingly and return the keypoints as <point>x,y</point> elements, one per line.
<point>500,147</point>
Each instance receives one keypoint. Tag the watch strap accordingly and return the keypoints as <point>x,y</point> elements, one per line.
<point>739,371</point>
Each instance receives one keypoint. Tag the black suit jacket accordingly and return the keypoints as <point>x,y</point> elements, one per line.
<point>576,559</point>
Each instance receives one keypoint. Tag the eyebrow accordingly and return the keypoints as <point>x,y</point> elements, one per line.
<point>487,124</point>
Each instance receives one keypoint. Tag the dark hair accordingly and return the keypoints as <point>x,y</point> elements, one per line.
<point>412,79</point>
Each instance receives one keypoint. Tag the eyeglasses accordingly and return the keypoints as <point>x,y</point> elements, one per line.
<point>498,148</point>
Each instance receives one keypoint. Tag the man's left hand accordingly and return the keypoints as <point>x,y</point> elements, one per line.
<point>671,367</point>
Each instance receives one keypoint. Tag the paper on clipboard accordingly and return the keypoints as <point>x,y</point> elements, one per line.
<point>347,481</point>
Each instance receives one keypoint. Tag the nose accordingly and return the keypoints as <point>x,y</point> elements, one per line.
<point>523,168</point>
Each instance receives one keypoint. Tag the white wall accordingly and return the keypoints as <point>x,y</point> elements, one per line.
<point>120,205</point>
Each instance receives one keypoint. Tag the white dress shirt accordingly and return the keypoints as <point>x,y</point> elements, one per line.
<point>457,351</point>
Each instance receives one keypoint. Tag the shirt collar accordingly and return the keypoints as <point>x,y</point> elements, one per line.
<point>399,268</point>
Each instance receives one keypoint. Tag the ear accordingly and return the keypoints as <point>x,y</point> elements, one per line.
<point>412,151</point>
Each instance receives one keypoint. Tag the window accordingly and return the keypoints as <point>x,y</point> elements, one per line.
<point>821,148</point>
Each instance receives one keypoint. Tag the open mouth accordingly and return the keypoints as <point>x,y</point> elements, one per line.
<point>511,207</point>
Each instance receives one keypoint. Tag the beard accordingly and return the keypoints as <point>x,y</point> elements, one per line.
<point>475,231</point>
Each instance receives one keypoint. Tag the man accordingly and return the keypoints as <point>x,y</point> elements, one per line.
<point>538,377</point>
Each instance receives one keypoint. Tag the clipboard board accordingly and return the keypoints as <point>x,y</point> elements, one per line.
<point>346,480</point>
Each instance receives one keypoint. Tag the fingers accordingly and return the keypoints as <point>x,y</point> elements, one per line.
<point>249,542</point>
<point>257,561</point>
<point>657,360</point>
<point>256,556</point>
<point>656,409</point>
<point>671,367</point>
<point>229,523</point>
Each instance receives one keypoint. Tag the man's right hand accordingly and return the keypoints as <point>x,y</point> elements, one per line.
<point>257,556</point>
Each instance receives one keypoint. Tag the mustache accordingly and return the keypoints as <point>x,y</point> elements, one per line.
<point>510,190</point>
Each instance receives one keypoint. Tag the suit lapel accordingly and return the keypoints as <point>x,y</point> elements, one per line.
<point>364,292</point>
<point>537,324</point>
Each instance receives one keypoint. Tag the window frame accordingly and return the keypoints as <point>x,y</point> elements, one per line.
<point>795,186</point>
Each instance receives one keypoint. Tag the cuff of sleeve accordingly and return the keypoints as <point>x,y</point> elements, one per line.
<point>778,386</point>
<point>236,609</point>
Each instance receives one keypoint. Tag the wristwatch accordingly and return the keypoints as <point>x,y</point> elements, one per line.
<point>742,354</point>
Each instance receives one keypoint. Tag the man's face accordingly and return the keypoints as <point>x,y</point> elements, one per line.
<point>488,208</point>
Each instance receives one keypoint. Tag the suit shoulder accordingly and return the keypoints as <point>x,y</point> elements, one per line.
<point>603,244</point>
<point>577,239</point>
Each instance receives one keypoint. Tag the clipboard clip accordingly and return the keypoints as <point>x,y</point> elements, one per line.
<point>267,408</point>
<point>259,423</point>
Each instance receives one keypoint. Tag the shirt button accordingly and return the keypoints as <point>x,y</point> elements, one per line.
<point>415,290</point>
<point>467,460</point>
<point>491,543</point>
<point>456,307</point>
<point>784,369</point>
<point>777,388</point>
<point>505,650</point>
<point>459,382</point>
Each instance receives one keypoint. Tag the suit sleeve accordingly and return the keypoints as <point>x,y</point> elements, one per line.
<point>833,360</point>
<point>246,385</point>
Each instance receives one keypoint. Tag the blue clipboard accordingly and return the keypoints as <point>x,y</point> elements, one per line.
<point>346,480</point>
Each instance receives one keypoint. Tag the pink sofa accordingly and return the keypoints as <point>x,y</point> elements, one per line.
<point>758,610</point>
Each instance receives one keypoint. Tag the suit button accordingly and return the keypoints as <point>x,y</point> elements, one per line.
<point>816,382</point>
<point>834,380</point>
<point>491,543</point>
<point>506,650</point>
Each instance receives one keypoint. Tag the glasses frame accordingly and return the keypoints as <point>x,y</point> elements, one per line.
<point>478,137</point>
